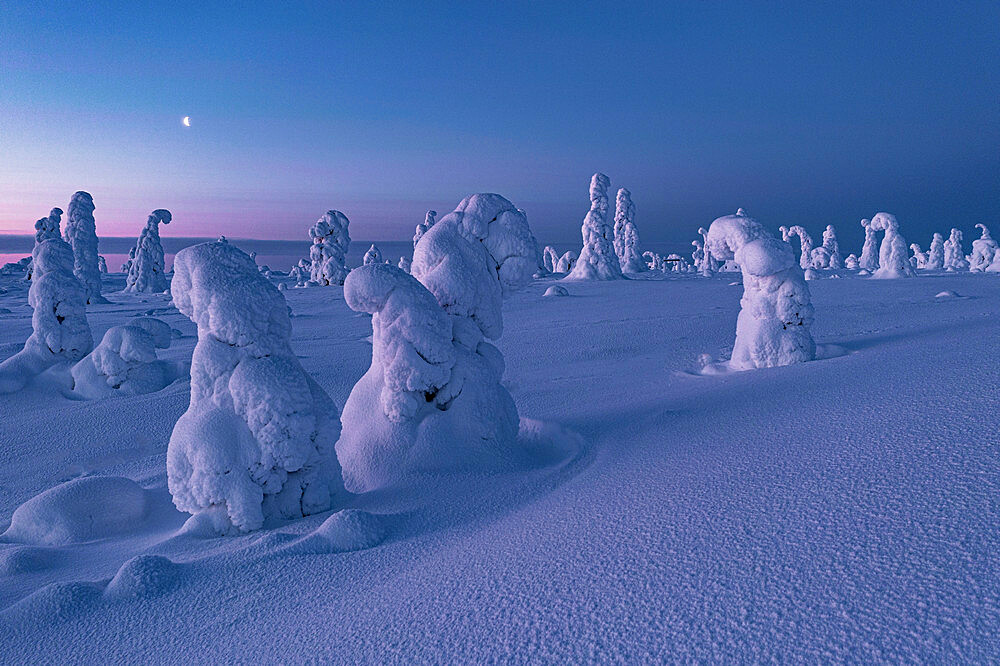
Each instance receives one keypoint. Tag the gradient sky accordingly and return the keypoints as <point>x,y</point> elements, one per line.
<point>808,113</point>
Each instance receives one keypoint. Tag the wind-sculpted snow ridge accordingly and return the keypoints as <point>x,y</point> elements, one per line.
<point>331,240</point>
<point>125,361</point>
<point>257,439</point>
<point>147,271</point>
<point>372,256</point>
<point>598,260</point>
<point>984,249</point>
<point>893,258</point>
<point>60,331</point>
<point>626,235</point>
<point>421,229</point>
<point>81,234</point>
<point>868,260</point>
<point>434,375</point>
<point>954,255</point>
<point>776,310</point>
<point>805,244</point>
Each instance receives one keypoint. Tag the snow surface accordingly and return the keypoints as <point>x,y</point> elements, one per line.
<point>797,514</point>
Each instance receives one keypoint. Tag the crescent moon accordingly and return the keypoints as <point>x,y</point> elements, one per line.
<point>187,121</point>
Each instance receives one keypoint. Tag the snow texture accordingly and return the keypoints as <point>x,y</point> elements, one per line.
<point>598,260</point>
<point>257,439</point>
<point>869,252</point>
<point>984,249</point>
<point>954,255</point>
<point>60,331</point>
<point>81,234</point>
<point>893,257</point>
<point>372,256</point>
<point>626,235</point>
<point>776,310</point>
<point>147,272</point>
<point>331,240</point>
<point>125,361</point>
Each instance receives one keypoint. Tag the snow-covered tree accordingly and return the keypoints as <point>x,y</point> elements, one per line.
<point>805,244</point>
<point>257,440</point>
<point>102,264</point>
<point>708,265</point>
<point>626,235</point>
<point>372,256</point>
<point>60,331</point>
<point>893,258</point>
<point>935,255</point>
<point>300,272</point>
<point>566,262</point>
<point>434,374</point>
<point>328,254</point>
<point>869,251</point>
<point>919,258</point>
<point>48,227</point>
<point>421,229</point>
<point>851,262</point>
<point>147,272</point>
<point>983,249</point>
<point>404,264</point>
<point>597,260</point>
<point>829,253</point>
<point>776,310</point>
<point>81,234</point>
<point>125,361</point>
<point>954,255</point>
<point>550,258</point>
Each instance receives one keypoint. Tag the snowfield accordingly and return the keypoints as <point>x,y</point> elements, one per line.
<point>843,509</point>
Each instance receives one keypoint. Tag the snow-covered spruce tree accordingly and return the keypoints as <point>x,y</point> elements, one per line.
<point>300,272</point>
<point>893,257</point>
<point>125,361</point>
<point>60,331</point>
<point>935,255</point>
<point>954,255</point>
<point>550,258</point>
<point>709,264</point>
<point>429,219</point>
<point>81,234</point>
<point>626,235</point>
<point>994,266</point>
<point>832,259</point>
<point>257,440</point>
<point>776,310</point>
<point>597,260</point>
<point>147,272</point>
<point>102,264</point>
<point>432,397</point>
<point>919,256</point>
<point>869,251</point>
<point>851,262</point>
<point>566,262</point>
<point>331,239</point>
<point>372,256</point>
<point>983,250</point>
<point>46,228</point>
<point>805,245</point>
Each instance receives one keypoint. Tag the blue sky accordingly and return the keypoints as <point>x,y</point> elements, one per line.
<point>809,113</point>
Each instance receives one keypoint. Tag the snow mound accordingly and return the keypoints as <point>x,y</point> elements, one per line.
<point>556,290</point>
<point>26,559</point>
<point>343,532</point>
<point>55,602</point>
<point>80,510</point>
<point>143,576</point>
<point>948,293</point>
<point>125,361</point>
